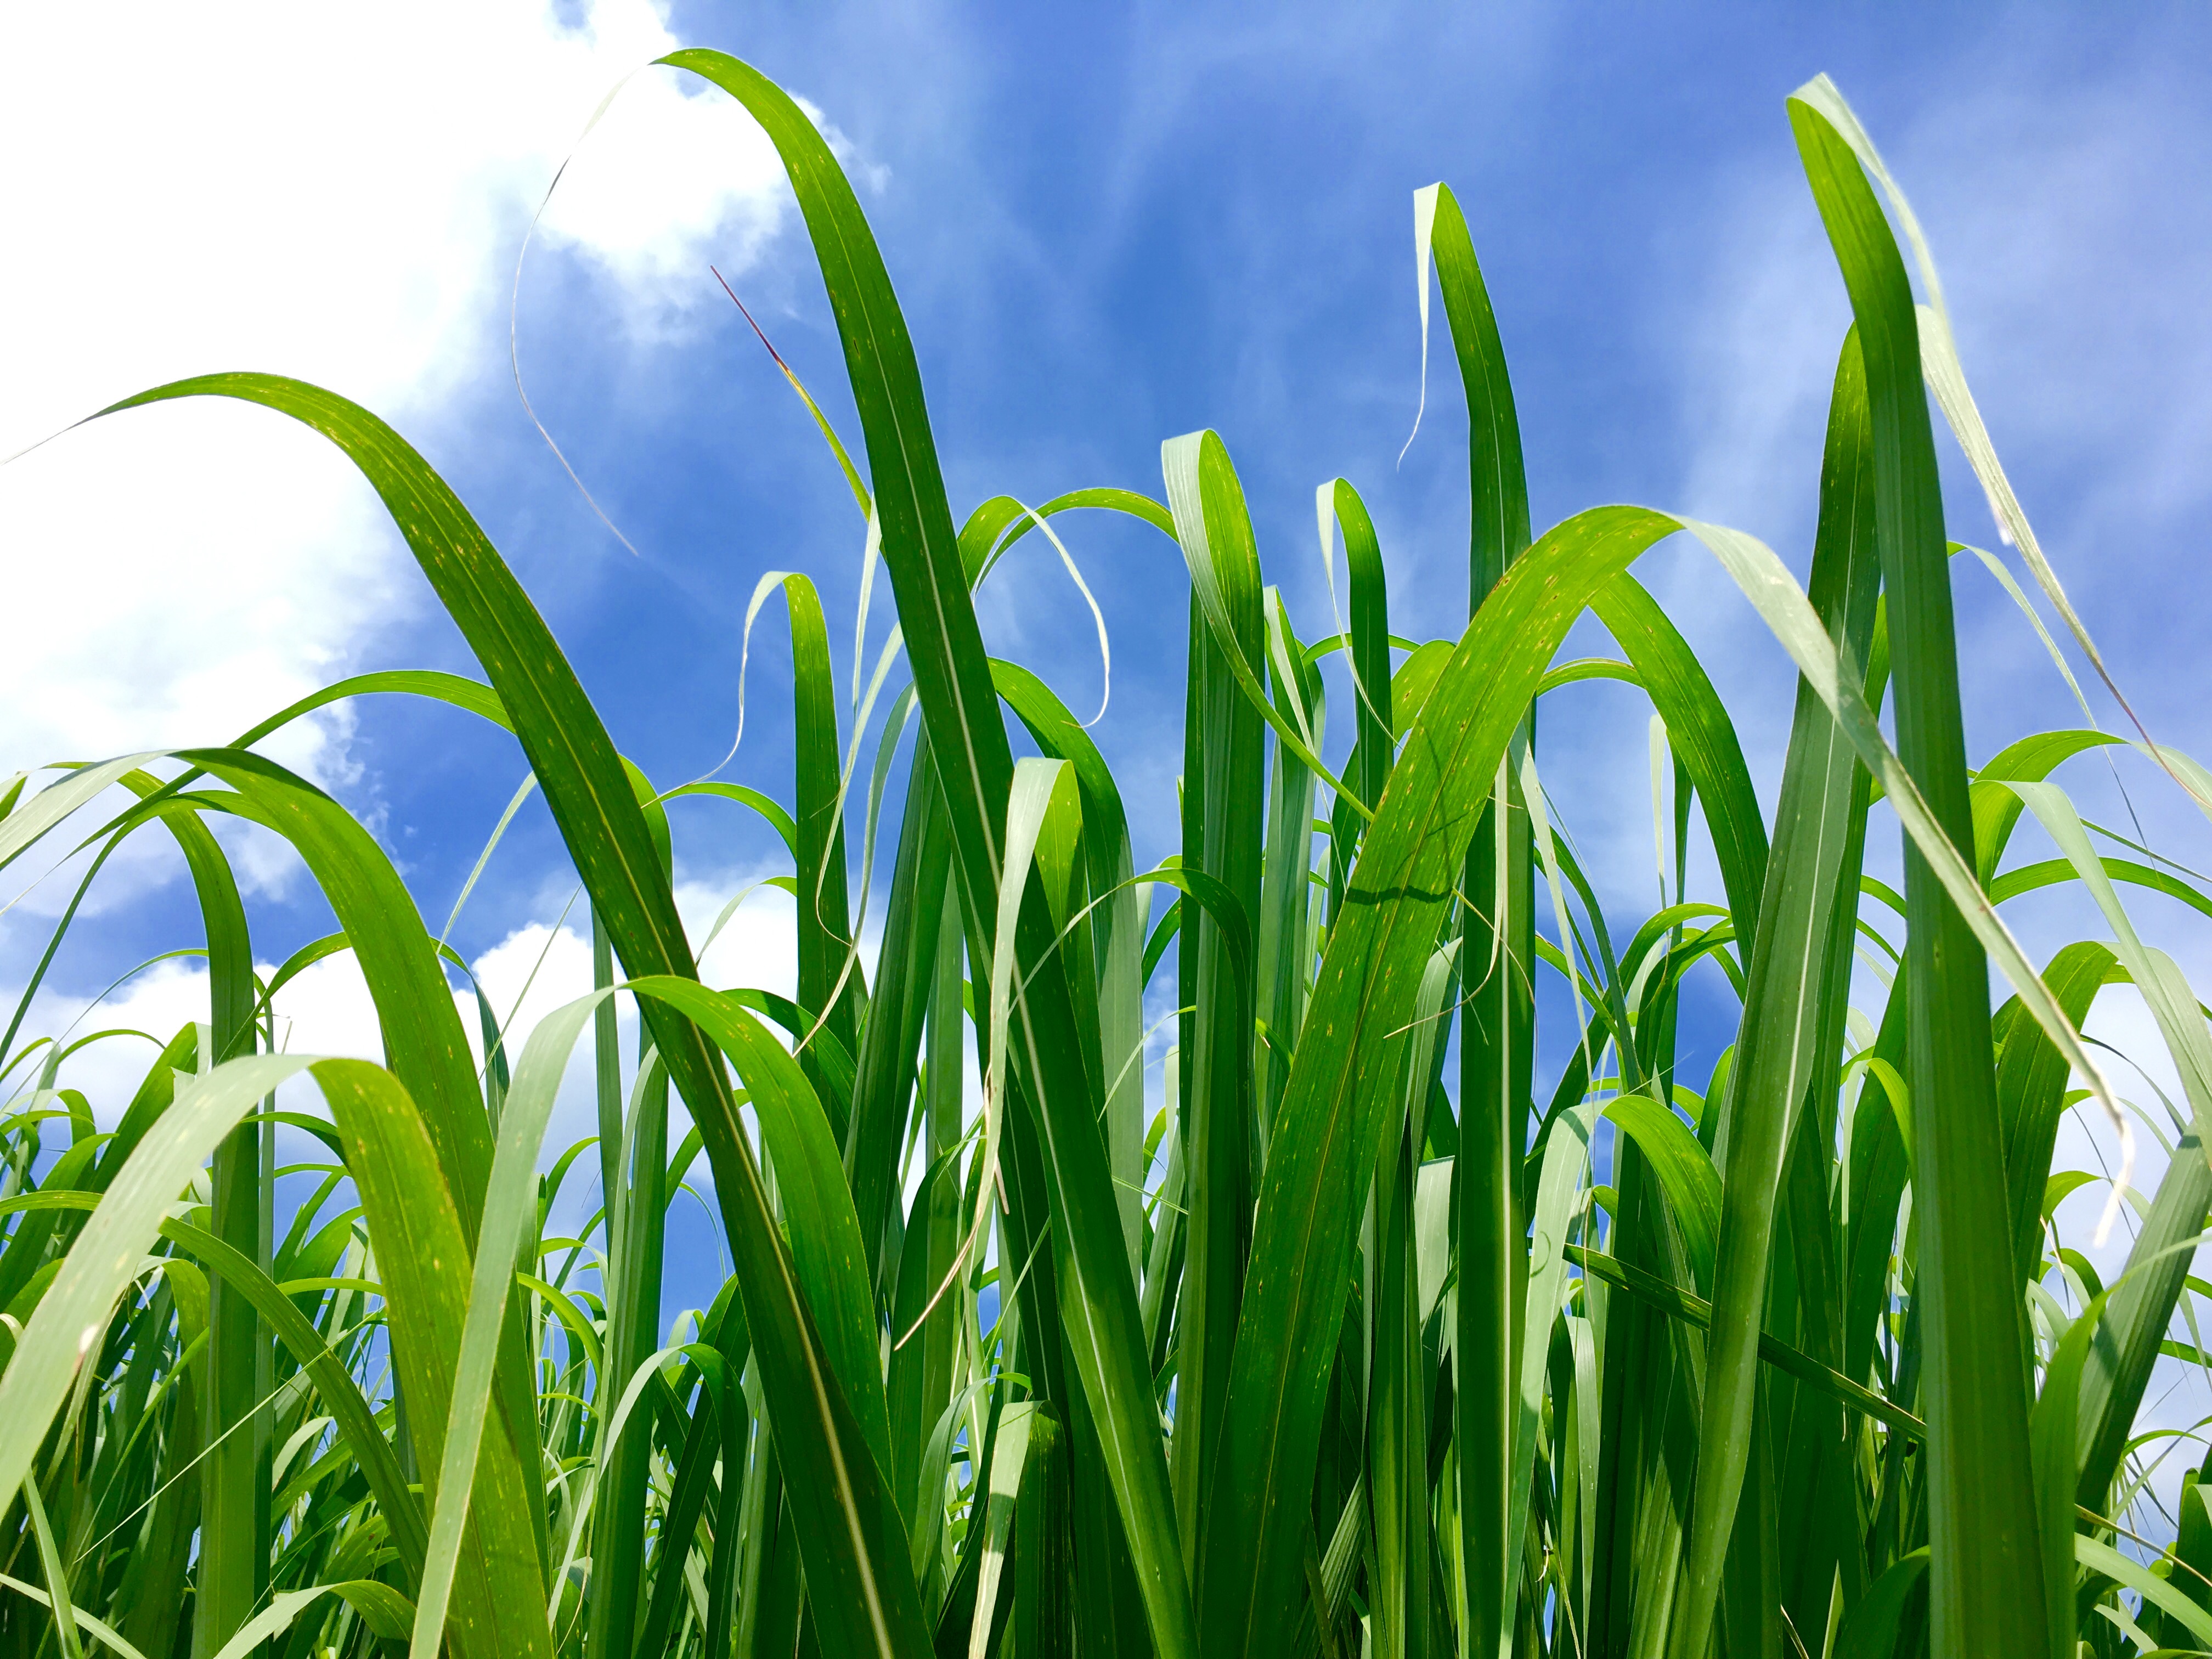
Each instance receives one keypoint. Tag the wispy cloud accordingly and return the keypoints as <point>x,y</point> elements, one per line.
<point>308,191</point>
<point>2053,192</point>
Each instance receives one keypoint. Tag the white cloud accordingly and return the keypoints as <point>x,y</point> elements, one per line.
<point>326,1009</point>
<point>159,1002</point>
<point>304,191</point>
<point>757,948</point>
<point>533,971</point>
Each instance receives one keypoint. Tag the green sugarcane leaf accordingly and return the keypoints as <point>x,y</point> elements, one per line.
<point>383,1609</point>
<point>2131,1574</point>
<point>341,1394</point>
<point>1788,1009</point>
<point>2031,760</point>
<point>57,1574</point>
<point>428,1052</point>
<point>1498,524</point>
<point>105,1634</point>
<point>1337,503</point>
<point>482,1579</point>
<point>109,1254</point>
<point>1117,930</point>
<point>2030,878</point>
<point>1686,1174</point>
<point>826,1233</point>
<point>24,827</point>
<point>1985,1569</point>
<point>1870,1630</point>
<point>1697,1313</point>
<point>1498,957</point>
<point>1701,734</point>
<point>923,554</point>
<point>828,980</point>
<point>510,1210</point>
<point>1224,806</point>
<point>595,804</point>
<point>1398,1404</point>
<point>2055,1438</point>
<point>473,696</point>
<point>1566,1154</point>
<point>1210,520</point>
<point>890,1041</point>
<point>768,807</point>
<point>1455,1380</point>
<point>1327,1136</point>
<point>2032,1079</point>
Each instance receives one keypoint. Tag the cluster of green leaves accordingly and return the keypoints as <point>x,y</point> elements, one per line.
<point>1333,1353</point>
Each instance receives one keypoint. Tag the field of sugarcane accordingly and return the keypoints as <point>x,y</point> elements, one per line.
<point>1362,1334</point>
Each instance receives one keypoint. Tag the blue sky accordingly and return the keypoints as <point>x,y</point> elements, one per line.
<point>1107,227</point>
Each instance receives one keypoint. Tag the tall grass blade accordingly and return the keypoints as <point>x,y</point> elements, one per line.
<point>1340,1349</point>
<point>1986,1571</point>
<point>1497,1048</point>
<point>1223,814</point>
<point>1785,1024</point>
<point>922,553</point>
<point>1329,1133</point>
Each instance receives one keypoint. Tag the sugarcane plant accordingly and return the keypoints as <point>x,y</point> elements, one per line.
<point>1359,1340</point>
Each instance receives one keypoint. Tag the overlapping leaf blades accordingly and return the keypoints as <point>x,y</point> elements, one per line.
<point>1319,1356</point>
